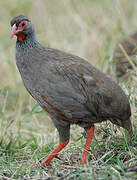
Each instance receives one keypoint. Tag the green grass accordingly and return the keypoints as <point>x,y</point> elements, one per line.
<point>90,29</point>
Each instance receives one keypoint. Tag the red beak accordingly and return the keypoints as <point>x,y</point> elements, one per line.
<point>13,31</point>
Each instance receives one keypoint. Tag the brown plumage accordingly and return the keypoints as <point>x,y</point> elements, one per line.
<point>68,87</point>
<point>120,61</point>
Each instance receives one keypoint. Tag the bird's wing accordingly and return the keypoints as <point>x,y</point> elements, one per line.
<point>87,81</point>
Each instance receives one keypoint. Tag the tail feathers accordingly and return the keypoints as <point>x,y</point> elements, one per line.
<point>128,126</point>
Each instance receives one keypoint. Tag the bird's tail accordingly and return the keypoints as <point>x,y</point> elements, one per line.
<point>128,126</point>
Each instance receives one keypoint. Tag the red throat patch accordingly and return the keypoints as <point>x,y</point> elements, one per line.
<point>21,36</point>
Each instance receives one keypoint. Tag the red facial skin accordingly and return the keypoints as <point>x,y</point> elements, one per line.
<point>17,30</point>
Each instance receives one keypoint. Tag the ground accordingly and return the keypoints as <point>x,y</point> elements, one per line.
<point>90,29</point>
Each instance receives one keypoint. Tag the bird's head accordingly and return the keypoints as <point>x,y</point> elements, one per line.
<point>22,27</point>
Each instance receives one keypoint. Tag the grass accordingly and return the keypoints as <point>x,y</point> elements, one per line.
<point>90,29</point>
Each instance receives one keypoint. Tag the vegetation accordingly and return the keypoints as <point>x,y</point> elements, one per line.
<point>90,29</point>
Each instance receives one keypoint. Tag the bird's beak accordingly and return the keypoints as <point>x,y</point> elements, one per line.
<point>13,31</point>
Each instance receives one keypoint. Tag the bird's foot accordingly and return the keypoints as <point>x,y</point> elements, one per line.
<point>83,162</point>
<point>42,165</point>
<point>76,164</point>
<point>46,161</point>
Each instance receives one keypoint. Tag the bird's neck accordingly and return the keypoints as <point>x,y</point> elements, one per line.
<point>27,43</point>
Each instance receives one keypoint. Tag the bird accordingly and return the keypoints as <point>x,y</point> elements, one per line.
<point>69,88</point>
<point>120,60</point>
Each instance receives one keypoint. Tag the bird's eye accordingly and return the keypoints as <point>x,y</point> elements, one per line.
<point>23,24</point>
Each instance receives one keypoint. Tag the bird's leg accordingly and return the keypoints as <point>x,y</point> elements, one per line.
<point>90,134</point>
<point>46,161</point>
<point>64,134</point>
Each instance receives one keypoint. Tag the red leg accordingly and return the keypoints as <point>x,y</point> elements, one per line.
<point>90,134</point>
<point>46,161</point>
